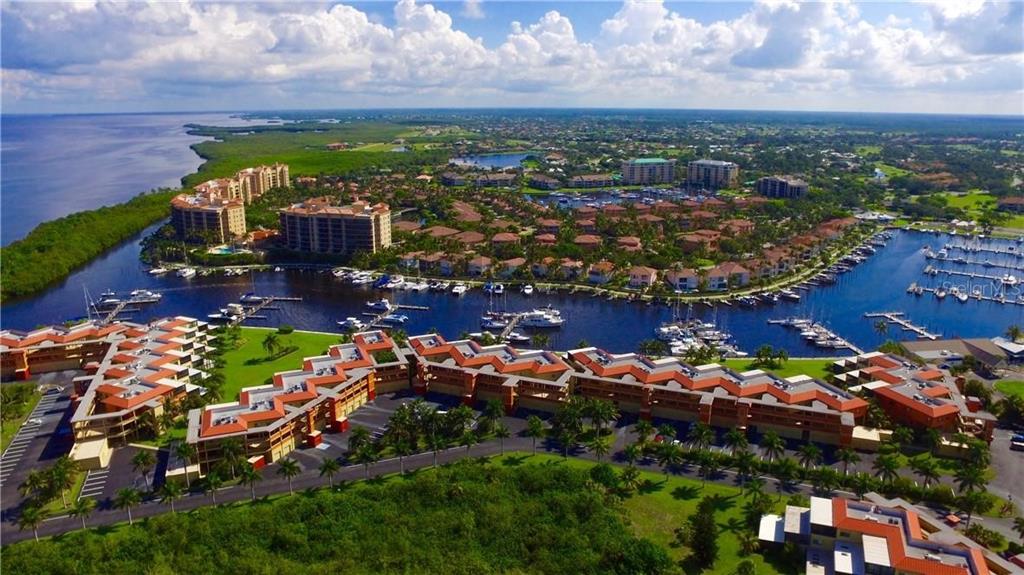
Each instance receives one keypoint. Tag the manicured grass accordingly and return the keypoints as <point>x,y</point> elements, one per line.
<point>11,426</point>
<point>862,150</point>
<point>891,171</point>
<point>813,367</point>
<point>238,375</point>
<point>972,200</point>
<point>1011,387</point>
<point>662,505</point>
<point>56,507</point>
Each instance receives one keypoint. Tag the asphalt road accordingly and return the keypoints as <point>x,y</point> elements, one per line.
<point>374,416</point>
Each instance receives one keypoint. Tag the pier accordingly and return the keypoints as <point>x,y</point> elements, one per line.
<point>512,323</point>
<point>897,318</point>
<point>377,321</point>
<point>253,312</point>
<point>973,275</point>
<point>984,249</point>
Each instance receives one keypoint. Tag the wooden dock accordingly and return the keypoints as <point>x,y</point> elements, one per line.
<point>898,318</point>
<point>512,323</point>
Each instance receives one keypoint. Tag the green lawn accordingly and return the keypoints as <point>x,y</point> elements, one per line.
<point>813,367</point>
<point>864,150</point>
<point>56,506</point>
<point>10,427</point>
<point>1011,387</point>
<point>973,200</point>
<point>238,375</point>
<point>662,505</point>
<point>891,171</point>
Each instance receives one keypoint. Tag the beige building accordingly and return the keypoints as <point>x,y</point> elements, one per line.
<point>648,171</point>
<point>712,174</point>
<point>247,184</point>
<point>316,225</point>
<point>208,216</point>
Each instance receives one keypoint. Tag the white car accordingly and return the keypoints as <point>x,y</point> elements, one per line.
<point>34,421</point>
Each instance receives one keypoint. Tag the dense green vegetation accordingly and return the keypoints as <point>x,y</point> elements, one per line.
<point>468,518</point>
<point>54,249</point>
<point>303,147</point>
<point>17,400</point>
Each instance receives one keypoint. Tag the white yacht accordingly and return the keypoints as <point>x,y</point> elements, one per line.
<point>541,318</point>
<point>380,305</point>
<point>459,289</point>
<point>186,272</point>
<point>516,337</point>
<point>1009,279</point>
<point>395,318</point>
<point>527,289</point>
<point>351,324</point>
<point>157,271</point>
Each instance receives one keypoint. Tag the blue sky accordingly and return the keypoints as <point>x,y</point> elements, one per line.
<point>949,56</point>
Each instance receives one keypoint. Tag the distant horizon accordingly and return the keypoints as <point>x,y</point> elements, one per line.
<point>504,108</point>
<point>855,56</point>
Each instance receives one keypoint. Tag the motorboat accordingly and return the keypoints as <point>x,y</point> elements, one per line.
<point>541,318</point>
<point>394,318</point>
<point>251,297</point>
<point>493,322</point>
<point>527,289</point>
<point>962,297</point>
<point>186,272</point>
<point>516,337</point>
<point>395,282</point>
<point>790,295</point>
<point>940,293</point>
<point>1009,279</point>
<point>361,278</point>
<point>976,292</point>
<point>459,289</point>
<point>157,271</point>
<point>498,289</point>
<point>108,294</point>
<point>351,324</point>
<point>379,305</point>
<point>144,296</point>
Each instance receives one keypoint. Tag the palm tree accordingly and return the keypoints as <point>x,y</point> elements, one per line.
<point>667,431</point>
<point>534,429</point>
<point>902,436</point>
<point>142,462</point>
<point>436,443</point>
<point>700,436</point>
<point>212,483</point>
<point>970,477</point>
<point>402,448</point>
<point>231,451</point>
<point>669,455</point>
<point>748,541</point>
<point>468,440</point>
<point>62,476</point>
<point>785,470</point>
<point>630,478</point>
<point>149,422</point>
<point>881,327</point>
<point>886,467</point>
<point>82,509</point>
<point>250,476</point>
<point>502,433</point>
<point>270,343</point>
<point>329,467</point>
<point>846,456</point>
<point>632,453</point>
<point>1018,526</point>
<point>708,465</point>
<point>366,455</point>
<point>1013,333</point>
<point>358,437</point>
<point>288,468</point>
<point>31,518</point>
<point>809,454</point>
<point>743,461</point>
<point>187,453</point>
<point>860,484</point>
<point>126,499</point>
<point>643,430</point>
<point>170,492</point>
<point>598,447</point>
<point>35,482</point>
<point>773,445</point>
<point>927,468</point>
<point>755,487</point>
<point>735,440</point>
<point>602,412</point>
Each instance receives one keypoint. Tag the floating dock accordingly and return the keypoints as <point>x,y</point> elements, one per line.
<point>898,318</point>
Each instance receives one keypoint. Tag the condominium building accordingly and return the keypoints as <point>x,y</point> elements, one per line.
<point>592,181</point>
<point>209,217</point>
<point>316,225</point>
<point>131,370</point>
<point>712,174</point>
<point>799,407</point>
<point>788,187</point>
<point>915,396</point>
<point>648,171</point>
<point>247,184</point>
<point>877,535</point>
<point>269,421</point>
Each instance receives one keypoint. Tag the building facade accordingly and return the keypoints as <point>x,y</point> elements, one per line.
<point>316,225</point>
<point>644,171</point>
<point>712,174</point>
<point>208,217</point>
<point>247,184</point>
<point>786,187</point>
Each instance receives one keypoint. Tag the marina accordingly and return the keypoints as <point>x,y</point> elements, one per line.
<point>859,284</point>
<point>897,318</point>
